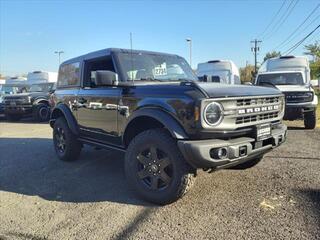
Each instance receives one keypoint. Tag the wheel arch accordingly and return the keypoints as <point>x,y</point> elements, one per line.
<point>61,110</point>
<point>148,118</point>
<point>41,100</point>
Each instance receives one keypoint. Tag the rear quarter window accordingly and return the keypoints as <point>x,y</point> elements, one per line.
<point>69,75</point>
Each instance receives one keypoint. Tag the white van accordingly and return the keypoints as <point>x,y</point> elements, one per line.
<point>291,75</point>
<point>222,71</point>
<point>42,77</point>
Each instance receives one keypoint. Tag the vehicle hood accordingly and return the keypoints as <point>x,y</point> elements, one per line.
<point>23,95</point>
<point>218,90</point>
<point>294,88</point>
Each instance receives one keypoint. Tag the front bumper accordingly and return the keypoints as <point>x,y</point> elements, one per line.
<point>239,150</point>
<point>295,111</point>
<point>1,108</point>
<point>23,109</point>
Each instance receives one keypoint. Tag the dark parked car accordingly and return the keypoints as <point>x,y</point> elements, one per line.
<point>33,103</point>
<point>152,107</point>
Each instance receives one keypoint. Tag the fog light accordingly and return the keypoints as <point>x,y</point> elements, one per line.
<point>242,151</point>
<point>218,153</point>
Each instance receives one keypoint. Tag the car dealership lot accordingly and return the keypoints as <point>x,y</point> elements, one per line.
<point>43,198</point>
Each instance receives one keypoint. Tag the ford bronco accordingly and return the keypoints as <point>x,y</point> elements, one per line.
<point>152,107</point>
<point>33,103</point>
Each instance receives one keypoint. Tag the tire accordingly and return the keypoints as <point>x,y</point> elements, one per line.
<point>41,112</point>
<point>310,120</point>
<point>156,169</point>
<point>65,143</point>
<point>13,117</point>
<point>248,164</point>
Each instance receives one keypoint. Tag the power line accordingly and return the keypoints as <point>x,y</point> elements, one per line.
<point>302,31</point>
<point>284,17</point>
<point>305,20</point>
<point>294,47</point>
<point>273,18</point>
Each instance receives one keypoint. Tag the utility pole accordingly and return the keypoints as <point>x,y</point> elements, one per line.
<point>59,54</point>
<point>189,40</point>
<point>255,49</point>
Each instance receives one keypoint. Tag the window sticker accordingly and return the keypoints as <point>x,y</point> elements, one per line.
<point>160,70</point>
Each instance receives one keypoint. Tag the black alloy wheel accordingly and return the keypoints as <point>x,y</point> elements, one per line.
<point>154,168</point>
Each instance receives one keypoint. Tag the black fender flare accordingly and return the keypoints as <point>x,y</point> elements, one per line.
<point>38,100</point>
<point>62,109</point>
<point>173,126</point>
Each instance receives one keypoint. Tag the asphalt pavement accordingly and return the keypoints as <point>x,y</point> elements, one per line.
<point>44,198</point>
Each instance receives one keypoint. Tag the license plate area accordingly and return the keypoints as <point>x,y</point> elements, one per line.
<point>263,131</point>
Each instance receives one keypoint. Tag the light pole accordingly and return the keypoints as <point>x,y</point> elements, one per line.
<point>189,40</point>
<point>59,53</point>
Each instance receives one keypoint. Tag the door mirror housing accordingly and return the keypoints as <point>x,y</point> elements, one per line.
<point>106,78</point>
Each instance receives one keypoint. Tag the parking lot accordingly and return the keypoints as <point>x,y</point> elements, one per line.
<point>43,198</point>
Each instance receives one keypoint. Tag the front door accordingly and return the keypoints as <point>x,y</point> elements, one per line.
<point>97,107</point>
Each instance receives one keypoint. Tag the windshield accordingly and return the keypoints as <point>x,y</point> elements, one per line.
<point>280,79</point>
<point>147,66</point>
<point>43,87</point>
<point>9,89</point>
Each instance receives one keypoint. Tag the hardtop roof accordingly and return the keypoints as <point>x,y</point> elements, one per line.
<point>108,51</point>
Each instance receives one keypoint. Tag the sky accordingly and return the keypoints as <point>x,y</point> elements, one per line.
<point>31,31</point>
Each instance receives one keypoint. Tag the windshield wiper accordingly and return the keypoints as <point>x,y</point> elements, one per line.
<point>268,83</point>
<point>185,79</point>
<point>149,79</point>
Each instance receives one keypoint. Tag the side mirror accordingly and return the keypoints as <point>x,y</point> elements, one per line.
<point>106,78</point>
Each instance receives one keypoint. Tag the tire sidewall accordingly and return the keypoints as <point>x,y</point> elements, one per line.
<point>142,142</point>
<point>39,112</point>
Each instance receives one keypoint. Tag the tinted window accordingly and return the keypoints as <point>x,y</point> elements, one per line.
<point>69,75</point>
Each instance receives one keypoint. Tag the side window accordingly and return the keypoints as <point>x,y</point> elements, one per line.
<point>94,65</point>
<point>69,75</point>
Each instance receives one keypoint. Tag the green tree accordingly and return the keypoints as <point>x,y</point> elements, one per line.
<point>246,73</point>
<point>272,54</point>
<point>313,49</point>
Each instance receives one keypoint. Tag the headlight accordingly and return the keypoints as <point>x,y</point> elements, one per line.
<point>213,113</point>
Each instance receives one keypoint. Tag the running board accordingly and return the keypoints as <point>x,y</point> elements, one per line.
<point>102,145</point>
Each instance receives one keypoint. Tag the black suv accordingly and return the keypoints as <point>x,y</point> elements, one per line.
<point>33,103</point>
<point>152,107</point>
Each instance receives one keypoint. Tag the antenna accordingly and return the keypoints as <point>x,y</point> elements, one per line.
<point>131,57</point>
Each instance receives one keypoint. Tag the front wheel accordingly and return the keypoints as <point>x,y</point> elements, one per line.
<point>155,167</point>
<point>310,120</point>
<point>41,113</point>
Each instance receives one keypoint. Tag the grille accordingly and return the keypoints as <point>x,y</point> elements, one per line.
<point>255,118</point>
<point>257,101</point>
<point>296,97</point>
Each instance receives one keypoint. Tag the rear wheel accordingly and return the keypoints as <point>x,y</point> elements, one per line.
<point>41,112</point>
<point>310,120</point>
<point>13,117</point>
<point>65,143</point>
<point>155,167</point>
